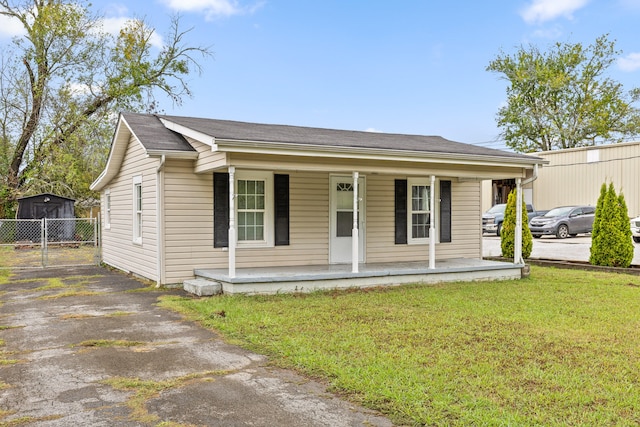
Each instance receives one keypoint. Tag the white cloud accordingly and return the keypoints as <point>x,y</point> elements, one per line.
<point>540,11</point>
<point>373,130</point>
<point>10,27</point>
<point>211,8</point>
<point>631,62</point>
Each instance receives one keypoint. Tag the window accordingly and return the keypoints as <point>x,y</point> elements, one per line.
<point>412,210</point>
<point>254,208</point>
<point>137,209</point>
<point>419,214</point>
<point>107,209</point>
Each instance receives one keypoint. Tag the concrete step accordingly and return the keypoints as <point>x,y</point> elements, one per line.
<point>202,287</point>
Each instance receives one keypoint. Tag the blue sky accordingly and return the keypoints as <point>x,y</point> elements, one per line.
<point>408,66</point>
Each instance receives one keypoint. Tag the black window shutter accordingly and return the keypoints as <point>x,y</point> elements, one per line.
<point>281,209</point>
<point>445,211</point>
<point>401,211</point>
<point>220,210</point>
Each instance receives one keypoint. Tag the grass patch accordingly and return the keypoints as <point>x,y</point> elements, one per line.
<point>5,327</point>
<point>70,293</point>
<point>109,343</point>
<point>559,348</point>
<point>4,276</point>
<point>144,390</point>
<point>89,316</point>
<point>53,283</point>
<point>22,421</point>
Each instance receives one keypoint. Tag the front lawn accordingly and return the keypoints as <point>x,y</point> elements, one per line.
<point>559,348</point>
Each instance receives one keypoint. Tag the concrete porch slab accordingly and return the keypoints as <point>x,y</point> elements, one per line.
<point>311,278</point>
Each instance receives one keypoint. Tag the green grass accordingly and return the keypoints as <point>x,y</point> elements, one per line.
<point>559,348</point>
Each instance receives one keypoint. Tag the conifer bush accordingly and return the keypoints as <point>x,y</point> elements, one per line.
<point>611,243</point>
<point>508,234</point>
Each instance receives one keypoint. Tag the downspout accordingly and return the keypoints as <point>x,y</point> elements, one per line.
<point>160,220</point>
<point>518,241</point>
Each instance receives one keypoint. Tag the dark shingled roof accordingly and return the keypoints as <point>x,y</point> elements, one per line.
<point>153,135</point>
<point>242,131</point>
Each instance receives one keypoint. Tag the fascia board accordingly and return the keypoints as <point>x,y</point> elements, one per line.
<point>119,144</point>
<point>188,132</point>
<point>370,154</point>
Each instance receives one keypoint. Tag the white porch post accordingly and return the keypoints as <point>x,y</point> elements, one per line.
<point>432,223</point>
<point>355,256</point>
<point>517,250</point>
<point>232,223</point>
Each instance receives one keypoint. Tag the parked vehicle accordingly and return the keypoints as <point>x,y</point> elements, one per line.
<point>493,218</point>
<point>563,222</point>
<point>635,229</point>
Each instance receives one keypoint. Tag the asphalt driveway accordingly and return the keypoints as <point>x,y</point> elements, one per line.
<point>88,346</point>
<point>570,249</point>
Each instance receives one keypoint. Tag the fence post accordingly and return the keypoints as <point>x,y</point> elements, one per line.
<point>43,241</point>
<point>96,247</point>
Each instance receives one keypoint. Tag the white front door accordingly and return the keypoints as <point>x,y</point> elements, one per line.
<point>341,219</point>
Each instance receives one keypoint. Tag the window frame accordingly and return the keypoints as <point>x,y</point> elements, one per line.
<point>268,209</point>
<point>426,182</point>
<point>137,213</point>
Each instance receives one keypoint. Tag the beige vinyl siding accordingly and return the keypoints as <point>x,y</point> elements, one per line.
<point>380,225</point>
<point>207,160</point>
<point>188,218</point>
<point>118,248</point>
<point>308,226</point>
<point>570,178</point>
<point>466,223</point>
<point>189,224</point>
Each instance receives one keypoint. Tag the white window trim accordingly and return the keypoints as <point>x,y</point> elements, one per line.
<point>427,182</point>
<point>269,232</point>
<point>107,209</point>
<point>137,226</point>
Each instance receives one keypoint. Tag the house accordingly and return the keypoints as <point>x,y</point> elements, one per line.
<point>257,208</point>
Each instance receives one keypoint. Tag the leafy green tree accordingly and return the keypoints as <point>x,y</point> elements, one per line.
<point>625,246</point>
<point>61,85</point>
<point>562,98</point>
<point>597,219</point>
<point>611,243</point>
<point>507,236</point>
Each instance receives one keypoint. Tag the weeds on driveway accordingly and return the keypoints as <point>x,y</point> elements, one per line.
<point>144,390</point>
<point>558,348</point>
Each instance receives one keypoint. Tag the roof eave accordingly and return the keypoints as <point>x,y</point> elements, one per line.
<point>276,148</point>
<point>189,155</point>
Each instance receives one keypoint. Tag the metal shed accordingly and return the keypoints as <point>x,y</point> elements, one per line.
<point>58,211</point>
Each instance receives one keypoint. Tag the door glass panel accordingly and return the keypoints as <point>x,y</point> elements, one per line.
<point>344,195</point>
<point>344,224</point>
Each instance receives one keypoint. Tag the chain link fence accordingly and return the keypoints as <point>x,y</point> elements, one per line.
<point>59,242</point>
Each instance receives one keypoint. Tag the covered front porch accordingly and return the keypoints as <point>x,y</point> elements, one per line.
<point>271,280</point>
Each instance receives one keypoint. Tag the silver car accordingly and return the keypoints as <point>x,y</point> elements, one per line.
<point>563,222</point>
<point>635,229</point>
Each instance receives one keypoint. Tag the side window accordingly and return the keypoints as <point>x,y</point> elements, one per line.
<point>137,209</point>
